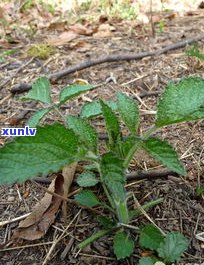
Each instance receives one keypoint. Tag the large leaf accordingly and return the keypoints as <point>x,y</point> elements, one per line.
<point>40,91</point>
<point>129,111</point>
<point>93,109</point>
<point>37,116</point>
<point>72,91</point>
<point>113,175</point>
<point>150,237</point>
<point>112,125</point>
<point>87,198</point>
<point>165,153</point>
<point>172,247</point>
<point>181,102</point>
<point>87,134</point>
<point>123,245</point>
<point>52,147</point>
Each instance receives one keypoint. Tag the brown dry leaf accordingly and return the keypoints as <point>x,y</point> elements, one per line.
<point>81,29</point>
<point>68,174</point>
<point>104,30</point>
<point>43,215</point>
<point>59,26</point>
<point>80,45</point>
<point>62,39</point>
<point>156,19</point>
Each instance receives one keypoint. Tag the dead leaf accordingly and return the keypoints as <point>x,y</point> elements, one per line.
<point>80,45</point>
<point>81,29</point>
<point>68,174</point>
<point>104,30</point>
<point>59,26</point>
<point>43,215</point>
<point>62,39</point>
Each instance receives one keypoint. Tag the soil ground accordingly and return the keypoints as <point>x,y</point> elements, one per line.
<point>181,210</point>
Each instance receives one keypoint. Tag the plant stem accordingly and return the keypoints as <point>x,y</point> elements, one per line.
<point>61,115</point>
<point>149,132</point>
<point>130,155</point>
<point>146,206</point>
<point>122,211</point>
<point>110,199</point>
<point>94,237</point>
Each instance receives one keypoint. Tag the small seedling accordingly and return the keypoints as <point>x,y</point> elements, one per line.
<point>55,146</point>
<point>195,52</point>
<point>42,51</point>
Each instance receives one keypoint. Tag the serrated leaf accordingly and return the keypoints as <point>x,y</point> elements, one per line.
<point>106,222</point>
<point>40,91</point>
<point>112,125</point>
<point>123,245</point>
<point>129,112</point>
<point>37,116</point>
<point>52,147</point>
<point>172,247</point>
<point>87,179</point>
<point>93,109</point>
<point>165,153</point>
<point>87,134</point>
<point>72,91</point>
<point>150,237</point>
<point>146,261</point>
<point>113,175</point>
<point>181,102</point>
<point>87,198</point>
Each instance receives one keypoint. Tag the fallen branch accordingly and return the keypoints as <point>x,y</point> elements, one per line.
<point>138,175</point>
<point>107,59</point>
<point>150,175</point>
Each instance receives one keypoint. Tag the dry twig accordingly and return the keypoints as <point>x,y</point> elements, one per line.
<point>109,58</point>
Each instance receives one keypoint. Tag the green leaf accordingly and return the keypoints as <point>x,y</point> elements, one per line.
<point>200,190</point>
<point>40,91</point>
<point>26,157</point>
<point>87,134</point>
<point>165,153</point>
<point>37,116</point>
<point>87,179</point>
<point>150,237</point>
<point>123,245</point>
<point>195,52</point>
<point>113,175</point>
<point>181,102</point>
<point>72,91</point>
<point>172,247</point>
<point>129,112</point>
<point>93,109</point>
<point>87,198</point>
<point>146,261</point>
<point>106,222</point>
<point>112,125</point>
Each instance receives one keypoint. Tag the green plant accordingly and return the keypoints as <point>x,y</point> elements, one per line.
<point>55,146</point>
<point>4,54</point>
<point>161,26</point>
<point>195,52</point>
<point>167,248</point>
<point>42,51</point>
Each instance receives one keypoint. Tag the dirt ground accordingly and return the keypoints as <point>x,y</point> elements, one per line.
<point>181,210</point>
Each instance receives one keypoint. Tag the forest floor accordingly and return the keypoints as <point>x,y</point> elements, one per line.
<point>182,209</point>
